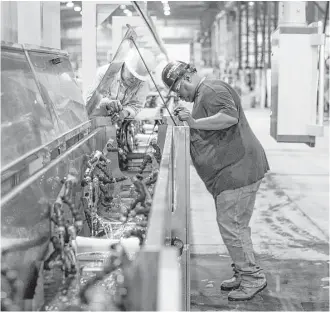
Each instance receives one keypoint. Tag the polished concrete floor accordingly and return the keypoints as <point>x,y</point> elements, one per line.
<point>290,230</point>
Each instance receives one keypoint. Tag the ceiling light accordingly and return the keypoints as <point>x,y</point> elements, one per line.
<point>70,4</point>
<point>251,3</point>
<point>166,6</point>
<point>123,6</point>
<point>129,13</point>
<point>77,8</point>
<point>164,1</point>
<point>167,12</point>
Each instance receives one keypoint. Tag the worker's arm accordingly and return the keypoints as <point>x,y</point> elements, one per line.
<point>99,76</point>
<point>218,121</point>
<point>221,109</point>
<point>138,101</point>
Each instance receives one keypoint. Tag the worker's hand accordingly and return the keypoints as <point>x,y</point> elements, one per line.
<point>184,115</point>
<point>109,106</point>
<point>119,116</point>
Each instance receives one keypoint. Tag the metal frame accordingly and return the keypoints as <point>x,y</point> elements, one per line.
<point>38,174</point>
<point>43,153</point>
<point>170,214</point>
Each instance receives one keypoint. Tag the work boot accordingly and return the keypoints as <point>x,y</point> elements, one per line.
<point>232,283</point>
<point>251,284</point>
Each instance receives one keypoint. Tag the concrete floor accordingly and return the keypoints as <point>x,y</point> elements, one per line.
<point>290,230</point>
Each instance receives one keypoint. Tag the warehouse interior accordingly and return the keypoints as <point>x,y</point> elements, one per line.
<point>275,55</point>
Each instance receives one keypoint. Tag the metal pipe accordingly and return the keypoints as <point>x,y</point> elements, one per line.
<point>247,63</point>
<point>321,83</point>
<point>276,14</point>
<point>264,3</point>
<point>239,6</point>
<point>326,17</point>
<point>256,35</point>
<point>320,99</point>
<point>320,9</point>
<point>269,25</point>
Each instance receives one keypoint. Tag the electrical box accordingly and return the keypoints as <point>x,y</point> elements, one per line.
<point>294,81</point>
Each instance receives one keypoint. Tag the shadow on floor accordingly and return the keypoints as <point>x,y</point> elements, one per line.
<point>293,285</point>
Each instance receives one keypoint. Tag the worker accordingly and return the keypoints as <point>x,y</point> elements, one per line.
<point>125,94</point>
<point>231,162</point>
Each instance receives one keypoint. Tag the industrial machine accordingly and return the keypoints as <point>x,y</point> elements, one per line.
<point>77,232</point>
<point>297,73</point>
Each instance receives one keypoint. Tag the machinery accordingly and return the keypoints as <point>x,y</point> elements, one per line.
<point>297,50</point>
<point>88,222</point>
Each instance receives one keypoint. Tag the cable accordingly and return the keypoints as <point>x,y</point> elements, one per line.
<point>152,78</point>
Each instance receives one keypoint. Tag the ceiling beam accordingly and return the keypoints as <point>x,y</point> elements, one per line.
<point>177,40</point>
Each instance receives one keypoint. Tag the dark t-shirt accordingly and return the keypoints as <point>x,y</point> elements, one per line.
<point>230,158</point>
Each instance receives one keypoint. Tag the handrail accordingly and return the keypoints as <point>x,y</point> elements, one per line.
<point>5,199</point>
<point>46,148</point>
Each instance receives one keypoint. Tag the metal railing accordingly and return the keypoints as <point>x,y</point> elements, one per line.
<point>164,273</point>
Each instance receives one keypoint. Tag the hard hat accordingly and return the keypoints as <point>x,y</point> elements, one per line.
<point>173,71</point>
<point>158,72</point>
<point>136,66</point>
<point>161,58</point>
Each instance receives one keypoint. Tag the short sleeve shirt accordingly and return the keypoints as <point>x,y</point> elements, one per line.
<point>230,158</point>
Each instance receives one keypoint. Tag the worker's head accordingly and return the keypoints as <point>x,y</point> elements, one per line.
<point>181,78</point>
<point>134,69</point>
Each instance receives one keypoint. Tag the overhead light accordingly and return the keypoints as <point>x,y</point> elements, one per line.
<point>251,3</point>
<point>77,8</point>
<point>164,1</point>
<point>167,12</point>
<point>166,6</point>
<point>129,13</point>
<point>123,6</point>
<point>70,4</point>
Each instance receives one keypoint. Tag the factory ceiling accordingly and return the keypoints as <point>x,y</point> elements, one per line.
<point>180,10</point>
<point>183,9</point>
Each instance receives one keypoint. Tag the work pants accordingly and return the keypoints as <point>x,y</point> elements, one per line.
<point>234,211</point>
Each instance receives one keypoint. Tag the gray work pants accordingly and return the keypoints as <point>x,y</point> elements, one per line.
<point>234,211</point>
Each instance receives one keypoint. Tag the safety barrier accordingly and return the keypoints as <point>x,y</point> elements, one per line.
<point>161,274</point>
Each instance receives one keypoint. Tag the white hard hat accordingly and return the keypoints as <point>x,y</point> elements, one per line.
<point>161,58</point>
<point>136,66</point>
<point>158,72</point>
